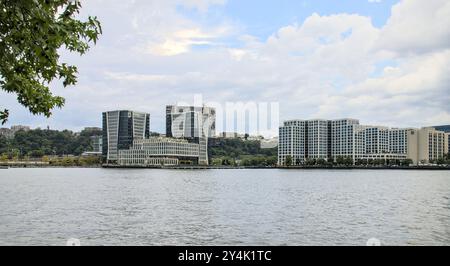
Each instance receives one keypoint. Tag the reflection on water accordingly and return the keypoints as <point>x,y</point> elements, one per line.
<point>224,207</point>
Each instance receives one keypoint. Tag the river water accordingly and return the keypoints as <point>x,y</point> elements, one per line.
<point>224,207</point>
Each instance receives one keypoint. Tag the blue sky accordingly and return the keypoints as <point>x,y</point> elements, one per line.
<point>384,62</point>
<point>262,18</point>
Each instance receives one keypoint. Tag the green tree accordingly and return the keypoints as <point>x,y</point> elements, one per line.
<point>340,160</point>
<point>31,35</point>
<point>288,160</point>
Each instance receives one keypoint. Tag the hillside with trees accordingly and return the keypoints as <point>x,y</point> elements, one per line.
<point>39,142</point>
<point>233,152</point>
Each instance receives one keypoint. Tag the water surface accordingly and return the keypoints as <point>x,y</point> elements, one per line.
<point>224,207</point>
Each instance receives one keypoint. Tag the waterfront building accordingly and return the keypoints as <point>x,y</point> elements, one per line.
<point>317,139</point>
<point>344,136</point>
<point>196,124</point>
<point>158,151</point>
<point>190,121</point>
<point>446,130</point>
<point>329,139</point>
<point>120,129</point>
<point>376,140</point>
<point>426,145</point>
<point>398,140</point>
<point>292,143</point>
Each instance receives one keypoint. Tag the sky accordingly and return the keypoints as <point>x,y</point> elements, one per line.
<point>383,62</point>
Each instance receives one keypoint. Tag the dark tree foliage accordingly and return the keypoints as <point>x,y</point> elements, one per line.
<point>39,142</point>
<point>249,152</point>
<point>31,34</point>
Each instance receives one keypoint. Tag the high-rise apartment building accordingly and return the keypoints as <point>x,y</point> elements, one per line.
<point>330,139</point>
<point>317,138</point>
<point>343,136</point>
<point>376,140</point>
<point>292,143</point>
<point>120,128</point>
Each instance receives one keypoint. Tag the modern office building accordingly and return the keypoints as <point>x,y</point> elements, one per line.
<point>196,124</point>
<point>120,129</point>
<point>190,121</point>
<point>158,151</point>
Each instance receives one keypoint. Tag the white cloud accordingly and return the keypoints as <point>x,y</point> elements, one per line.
<point>328,66</point>
<point>417,27</point>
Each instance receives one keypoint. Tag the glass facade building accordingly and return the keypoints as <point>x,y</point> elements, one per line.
<point>120,129</point>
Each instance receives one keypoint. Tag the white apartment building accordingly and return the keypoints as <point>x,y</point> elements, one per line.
<point>324,139</point>
<point>317,139</point>
<point>377,140</point>
<point>398,140</point>
<point>344,136</point>
<point>292,142</point>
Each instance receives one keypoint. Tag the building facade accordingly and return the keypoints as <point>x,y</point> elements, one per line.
<point>196,124</point>
<point>329,139</point>
<point>426,145</point>
<point>344,135</point>
<point>158,151</point>
<point>190,121</point>
<point>291,142</point>
<point>120,129</point>
<point>317,139</point>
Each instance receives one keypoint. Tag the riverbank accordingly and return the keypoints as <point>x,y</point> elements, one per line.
<point>212,167</point>
<point>200,167</point>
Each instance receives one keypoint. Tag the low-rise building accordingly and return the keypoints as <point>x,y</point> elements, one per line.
<point>157,151</point>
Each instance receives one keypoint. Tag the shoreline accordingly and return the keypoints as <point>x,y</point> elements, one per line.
<point>188,167</point>
<point>197,167</point>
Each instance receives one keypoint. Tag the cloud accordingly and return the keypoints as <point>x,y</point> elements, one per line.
<point>331,66</point>
<point>417,27</point>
